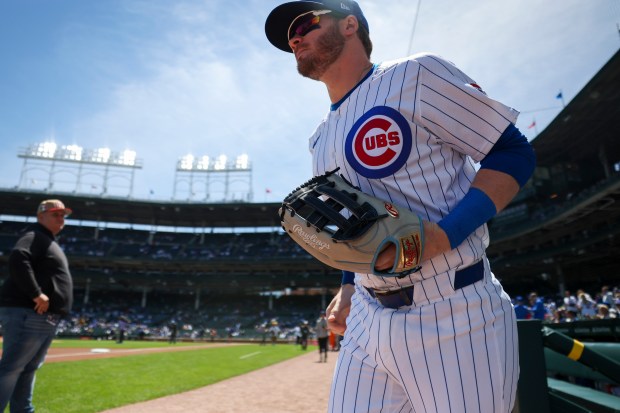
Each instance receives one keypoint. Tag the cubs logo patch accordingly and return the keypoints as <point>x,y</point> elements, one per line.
<point>379,143</point>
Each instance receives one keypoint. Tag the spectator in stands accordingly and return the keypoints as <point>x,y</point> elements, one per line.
<point>587,306</point>
<point>606,296</point>
<point>521,310</point>
<point>582,295</point>
<point>537,307</point>
<point>570,315</point>
<point>552,307</point>
<point>570,302</point>
<point>36,295</point>
<point>602,312</point>
<point>558,315</point>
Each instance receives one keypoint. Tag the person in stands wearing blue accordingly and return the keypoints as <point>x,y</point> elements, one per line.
<point>537,307</point>
<point>37,293</point>
<point>521,310</point>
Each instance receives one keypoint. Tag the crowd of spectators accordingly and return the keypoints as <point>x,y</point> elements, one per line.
<point>604,304</point>
<point>144,244</point>
<point>109,315</point>
<point>102,319</point>
<point>120,316</point>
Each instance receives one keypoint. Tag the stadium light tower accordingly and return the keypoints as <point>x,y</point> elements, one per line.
<point>213,179</point>
<point>71,168</point>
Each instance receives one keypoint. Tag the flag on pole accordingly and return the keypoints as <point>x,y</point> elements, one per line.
<point>561,97</point>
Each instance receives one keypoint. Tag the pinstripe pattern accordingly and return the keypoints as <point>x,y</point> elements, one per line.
<point>440,166</point>
<point>411,133</point>
<point>458,354</point>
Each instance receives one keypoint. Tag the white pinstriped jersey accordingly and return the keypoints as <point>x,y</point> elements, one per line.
<point>411,133</point>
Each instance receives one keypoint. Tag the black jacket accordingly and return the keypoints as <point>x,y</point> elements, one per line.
<point>38,264</point>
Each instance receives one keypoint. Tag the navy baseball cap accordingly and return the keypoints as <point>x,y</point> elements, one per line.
<point>280,19</point>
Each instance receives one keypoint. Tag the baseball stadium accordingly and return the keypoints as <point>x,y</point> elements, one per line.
<point>190,305</point>
<point>226,272</point>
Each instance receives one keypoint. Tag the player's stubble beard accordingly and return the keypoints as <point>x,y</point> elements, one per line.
<point>328,48</point>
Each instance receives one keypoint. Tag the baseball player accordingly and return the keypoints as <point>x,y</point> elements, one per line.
<point>419,133</point>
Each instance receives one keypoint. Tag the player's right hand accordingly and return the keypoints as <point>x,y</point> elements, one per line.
<point>338,310</point>
<point>435,242</point>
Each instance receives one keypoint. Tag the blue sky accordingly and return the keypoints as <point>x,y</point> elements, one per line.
<point>166,78</point>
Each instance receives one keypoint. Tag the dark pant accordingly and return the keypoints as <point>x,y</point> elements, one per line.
<point>27,337</point>
<point>323,346</point>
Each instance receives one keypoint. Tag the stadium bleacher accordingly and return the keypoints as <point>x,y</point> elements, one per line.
<point>561,228</point>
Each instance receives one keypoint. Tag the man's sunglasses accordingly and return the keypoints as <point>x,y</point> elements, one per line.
<point>305,23</point>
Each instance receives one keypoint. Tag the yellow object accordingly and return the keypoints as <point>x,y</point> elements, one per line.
<point>576,351</point>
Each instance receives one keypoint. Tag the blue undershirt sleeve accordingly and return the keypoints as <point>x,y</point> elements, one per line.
<point>348,277</point>
<point>475,209</point>
<point>512,154</point>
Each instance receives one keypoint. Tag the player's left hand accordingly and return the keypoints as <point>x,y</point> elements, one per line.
<point>338,310</point>
<point>435,242</point>
<point>345,228</point>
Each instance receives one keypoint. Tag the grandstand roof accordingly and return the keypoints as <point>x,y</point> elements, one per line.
<point>142,212</point>
<point>590,122</point>
<point>581,236</point>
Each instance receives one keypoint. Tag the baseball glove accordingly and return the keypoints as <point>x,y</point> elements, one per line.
<point>347,229</point>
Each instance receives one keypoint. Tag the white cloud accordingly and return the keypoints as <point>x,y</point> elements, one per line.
<point>202,78</point>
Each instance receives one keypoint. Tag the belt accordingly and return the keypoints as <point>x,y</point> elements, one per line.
<point>404,296</point>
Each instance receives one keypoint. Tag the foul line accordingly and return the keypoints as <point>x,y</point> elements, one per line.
<point>250,355</point>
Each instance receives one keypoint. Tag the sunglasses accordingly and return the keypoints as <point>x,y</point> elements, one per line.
<point>305,23</point>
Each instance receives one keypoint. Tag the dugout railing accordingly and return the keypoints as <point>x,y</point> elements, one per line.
<point>546,353</point>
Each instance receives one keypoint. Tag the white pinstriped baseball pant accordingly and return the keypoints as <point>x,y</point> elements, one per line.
<point>443,354</point>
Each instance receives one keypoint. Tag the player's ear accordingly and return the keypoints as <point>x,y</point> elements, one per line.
<point>350,25</point>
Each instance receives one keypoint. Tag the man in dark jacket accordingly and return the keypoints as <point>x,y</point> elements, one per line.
<point>36,295</point>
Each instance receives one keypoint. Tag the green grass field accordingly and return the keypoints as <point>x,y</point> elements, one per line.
<point>94,385</point>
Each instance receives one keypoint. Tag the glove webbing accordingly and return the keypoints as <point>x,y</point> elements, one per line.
<point>362,216</point>
<point>323,213</point>
<point>326,212</point>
